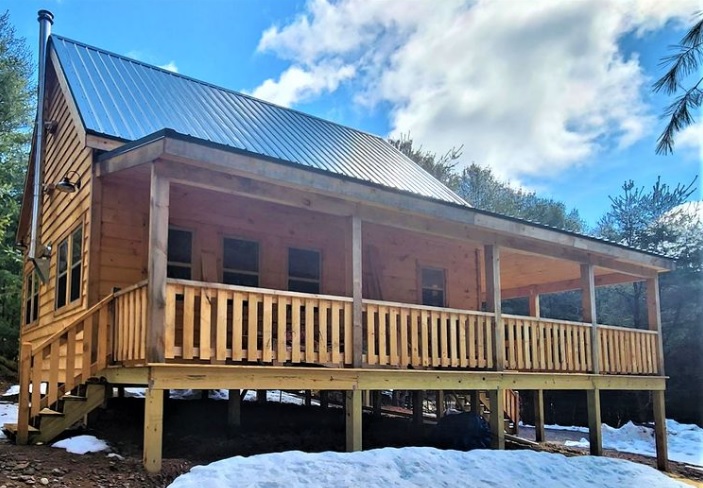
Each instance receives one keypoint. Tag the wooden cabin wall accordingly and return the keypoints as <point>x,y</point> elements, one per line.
<point>400,254</point>
<point>61,212</point>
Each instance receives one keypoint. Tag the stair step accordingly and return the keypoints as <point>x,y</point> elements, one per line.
<point>12,428</point>
<point>74,398</point>
<point>47,412</point>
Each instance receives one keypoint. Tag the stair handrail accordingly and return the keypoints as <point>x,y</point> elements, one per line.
<point>30,403</point>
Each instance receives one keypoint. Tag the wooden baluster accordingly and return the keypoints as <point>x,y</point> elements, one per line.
<point>444,339</point>
<point>188,322</point>
<point>206,323</point>
<point>463,323</point>
<point>170,332</point>
<point>336,310</point>
<point>403,315</point>
<point>471,349</point>
<point>322,343</point>
<point>282,329</point>
<point>526,337</point>
<point>37,373</point>
<point>382,327</point>
<point>71,346</point>
<point>295,326</point>
<point>237,324</point>
<point>393,333</point>
<point>253,326</point>
<point>25,372</point>
<point>434,331</point>
<point>424,338</point>
<point>87,348</point>
<point>491,323</point>
<point>53,386</point>
<point>103,334</point>
<point>221,327</point>
<point>371,357</point>
<point>480,338</point>
<point>145,315</point>
<point>310,331</point>
<point>415,358</point>
<point>267,337</point>
<point>569,348</point>
<point>348,334</point>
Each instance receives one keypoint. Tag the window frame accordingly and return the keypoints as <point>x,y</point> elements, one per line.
<point>31,299</point>
<point>180,264</point>
<point>238,271</point>
<point>304,280</point>
<point>421,288</point>
<point>71,268</point>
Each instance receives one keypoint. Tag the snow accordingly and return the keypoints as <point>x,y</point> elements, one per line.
<point>685,442</point>
<point>8,415</point>
<point>15,390</point>
<point>570,428</point>
<point>275,396</point>
<point>82,444</point>
<point>422,466</point>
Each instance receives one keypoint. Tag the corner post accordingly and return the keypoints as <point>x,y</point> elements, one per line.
<point>357,310</point>
<point>654,319</point>
<point>493,303</point>
<point>496,398</point>
<point>352,414</point>
<point>158,245</point>
<point>588,303</point>
<point>153,429</point>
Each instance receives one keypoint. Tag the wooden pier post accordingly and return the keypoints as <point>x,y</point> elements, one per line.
<point>475,399</point>
<point>261,397</point>
<point>660,430</point>
<point>153,429</point>
<point>324,399</point>
<point>234,411</point>
<point>418,414</point>
<point>595,435</point>
<point>497,400</point>
<point>654,319</point>
<point>538,404</point>
<point>377,402</point>
<point>439,402</point>
<point>353,413</point>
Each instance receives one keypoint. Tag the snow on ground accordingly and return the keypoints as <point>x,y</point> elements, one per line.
<point>15,390</point>
<point>8,415</point>
<point>422,466</point>
<point>82,444</point>
<point>685,442</point>
<point>276,396</point>
<point>570,428</point>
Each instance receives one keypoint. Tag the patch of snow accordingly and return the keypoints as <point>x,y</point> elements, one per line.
<point>15,390</point>
<point>82,444</point>
<point>114,455</point>
<point>685,442</point>
<point>134,392</point>
<point>570,428</point>
<point>8,415</point>
<point>422,466</point>
<point>279,396</point>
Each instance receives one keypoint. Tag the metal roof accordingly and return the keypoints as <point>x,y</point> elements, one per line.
<point>122,98</point>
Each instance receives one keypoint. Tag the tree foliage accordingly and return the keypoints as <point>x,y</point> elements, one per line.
<point>685,61</point>
<point>16,108</point>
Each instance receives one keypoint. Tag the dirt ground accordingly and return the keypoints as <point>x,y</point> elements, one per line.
<point>195,434</point>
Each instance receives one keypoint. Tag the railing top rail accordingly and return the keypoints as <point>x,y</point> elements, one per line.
<point>544,319</point>
<point>74,321</point>
<point>260,291</point>
<point>135,286</point>
<point>427,307</point>
<point>628,329</point>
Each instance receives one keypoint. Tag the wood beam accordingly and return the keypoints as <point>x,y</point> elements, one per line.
<point>147,153</point>
<point>538,404</point>
<point>357,307</point>
<point>493,302</point>
<point>207,376</point>
<point>496,419</point>
<point>156,286</point>
<point>568,285</point>
<point>660,437</point>
<point>588,303</point>
<point>353,414</point>
<point>594,422</point>
<point>654,319</point>
<point>153,429</point>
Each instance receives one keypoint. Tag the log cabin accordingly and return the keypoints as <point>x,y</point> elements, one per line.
<point>182,235</point>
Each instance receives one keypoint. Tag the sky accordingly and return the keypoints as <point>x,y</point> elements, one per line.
<point>554,96</point>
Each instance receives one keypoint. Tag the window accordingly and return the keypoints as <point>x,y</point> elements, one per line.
<point>432,287</point>
<point>180,254</point>
<point>31,298</point>
<point>240,262</point>
<point>69,268</point>
<point>303,270</point>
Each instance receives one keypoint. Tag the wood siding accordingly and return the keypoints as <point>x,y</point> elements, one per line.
<point>61,213</point>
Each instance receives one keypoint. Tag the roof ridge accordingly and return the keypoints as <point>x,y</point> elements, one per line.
<point>218,87</point>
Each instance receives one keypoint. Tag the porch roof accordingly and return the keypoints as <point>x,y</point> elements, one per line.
<point>124,99</point>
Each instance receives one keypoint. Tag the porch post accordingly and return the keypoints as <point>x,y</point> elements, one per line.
<point>654,319</point>
<point>357,313</point>
<point>588,303</point>
<point>158,244</point>
<point>491,254</point>
<point>153,429</point>
<point>352,414</point>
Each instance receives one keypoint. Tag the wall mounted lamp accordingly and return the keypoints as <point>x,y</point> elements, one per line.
<point>66,184</point>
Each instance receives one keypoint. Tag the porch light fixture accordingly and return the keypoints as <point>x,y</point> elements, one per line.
<point>66,185</point>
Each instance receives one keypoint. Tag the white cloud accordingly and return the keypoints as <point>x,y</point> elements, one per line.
<point>526,88</point>
<point>170,66</point>
<point>691,137</point>
<point>297,84</point>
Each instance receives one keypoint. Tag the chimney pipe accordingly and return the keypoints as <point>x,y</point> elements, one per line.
<point>46,19</point>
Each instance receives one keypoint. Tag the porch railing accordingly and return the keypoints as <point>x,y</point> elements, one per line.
<point>224,323</point>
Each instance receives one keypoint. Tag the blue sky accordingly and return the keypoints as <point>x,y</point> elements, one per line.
<point>553,95</point>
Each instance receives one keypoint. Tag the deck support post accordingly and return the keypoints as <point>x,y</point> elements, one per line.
<point>234,411</point>
<point>377,399</point>
<point>308,398</point>
<point>153,429</point>
<point>588,303</point>
<point>538,404</point>
<point>156,286</point>
<point>660,430</point>
<point>440,404</point>
<point>475,399</point>
<point>491,254</point>
<point>261,397</point>
<point>324,399</point>
<point>595,435</point>
<point>654,319</point>
<point>357,290</point>
<point>418,400</point>
<point>497,422</point>
<point>353,413</point>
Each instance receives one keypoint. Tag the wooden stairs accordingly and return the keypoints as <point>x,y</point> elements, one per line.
<point>58,378</point>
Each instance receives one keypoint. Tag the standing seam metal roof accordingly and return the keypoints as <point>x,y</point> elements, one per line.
<point>126,99</point>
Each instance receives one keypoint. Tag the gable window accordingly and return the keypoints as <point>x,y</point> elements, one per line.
<point>240,262</point>
<point>31,298</point>
<point>304,270</point>
<point>68,269</point>
<point>180,254</point>
<point>433,287</point>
